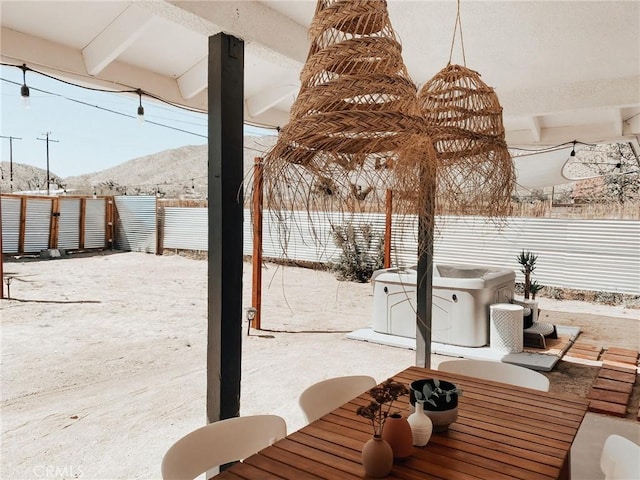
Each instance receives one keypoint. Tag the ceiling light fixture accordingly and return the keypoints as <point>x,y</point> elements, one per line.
<point>573,150</point>
<point>140,108</point>
<point>24,90</point>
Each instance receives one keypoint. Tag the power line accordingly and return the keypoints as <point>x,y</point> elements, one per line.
<point>104,90</point>
<point>81,102</point>
<point>128,90</point>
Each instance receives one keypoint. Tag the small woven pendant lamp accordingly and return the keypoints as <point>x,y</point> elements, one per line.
<point>356,128</point>
<point>464,120</point>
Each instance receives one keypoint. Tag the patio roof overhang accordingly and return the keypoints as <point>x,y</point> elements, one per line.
<point>563,71</point>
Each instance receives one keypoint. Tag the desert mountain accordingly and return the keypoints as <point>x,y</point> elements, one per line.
<point>175,173</point>
<point>25,178</point>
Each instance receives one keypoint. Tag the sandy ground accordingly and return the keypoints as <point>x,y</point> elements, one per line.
<point>103,357</point>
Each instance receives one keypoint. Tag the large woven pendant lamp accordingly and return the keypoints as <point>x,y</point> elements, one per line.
<point>464,120</point>
<point>355,130</point>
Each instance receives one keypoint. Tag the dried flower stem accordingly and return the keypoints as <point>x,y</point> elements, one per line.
<point>383,397</point>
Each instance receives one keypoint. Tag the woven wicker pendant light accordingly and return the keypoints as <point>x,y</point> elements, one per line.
<point>356,127</point>
<point>464,119</point>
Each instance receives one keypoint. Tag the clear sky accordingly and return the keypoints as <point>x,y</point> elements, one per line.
<point>89,137</point>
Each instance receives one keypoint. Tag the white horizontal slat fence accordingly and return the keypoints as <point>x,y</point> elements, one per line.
<point>597,255</point>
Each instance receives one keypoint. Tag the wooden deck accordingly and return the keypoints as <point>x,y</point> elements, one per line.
<point>611,392</point>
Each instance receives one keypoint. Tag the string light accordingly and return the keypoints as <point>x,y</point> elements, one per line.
<point>25,93</point>
<point>24,90</point>
<point>140,108</point>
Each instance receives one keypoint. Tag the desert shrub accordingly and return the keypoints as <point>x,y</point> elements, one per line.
<point>362,252</point>
<point>608,298</point>
<point>631,301</point>
<point>553,292</point>
<point>591,296</point>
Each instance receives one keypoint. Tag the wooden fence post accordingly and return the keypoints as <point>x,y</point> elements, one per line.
<point>82,221</point>
<point>23,224</point>
<point>54,226</point>
<point>256,295</point>
<point>109,218</point>
<point>387,230</point>
<point>1,253</point>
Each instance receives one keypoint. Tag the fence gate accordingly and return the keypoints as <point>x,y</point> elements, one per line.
<point>31,223</point>
<point>136,225</point>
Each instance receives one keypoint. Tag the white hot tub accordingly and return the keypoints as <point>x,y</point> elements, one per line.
<point>461,298</point>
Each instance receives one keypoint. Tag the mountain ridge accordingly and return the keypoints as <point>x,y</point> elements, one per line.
<point>173,173</point>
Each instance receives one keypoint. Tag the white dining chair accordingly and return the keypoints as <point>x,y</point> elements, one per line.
<point>326,395</point>
<point>220,442</point>
<point>498,371</point>
<point>620,459</point>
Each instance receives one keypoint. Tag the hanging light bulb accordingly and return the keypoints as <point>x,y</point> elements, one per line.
<point>572,155</point>
<point>24,90</point>
<point>140,108</point>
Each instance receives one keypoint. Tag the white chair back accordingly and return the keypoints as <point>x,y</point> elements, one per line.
<point>219,443</point>
<point>322,397</point>
<point>497,371</point>
<point>620,459</point>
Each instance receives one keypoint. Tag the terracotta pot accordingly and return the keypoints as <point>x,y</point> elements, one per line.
<point>397,433</point>
<point>377,457</point>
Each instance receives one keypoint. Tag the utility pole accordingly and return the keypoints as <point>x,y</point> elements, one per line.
<point>47,140</point>
<point>11,139</point>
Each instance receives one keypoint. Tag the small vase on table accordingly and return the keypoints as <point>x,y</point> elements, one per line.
<point>421,425</point>
<point>377,457</point>
<point>397,433</point>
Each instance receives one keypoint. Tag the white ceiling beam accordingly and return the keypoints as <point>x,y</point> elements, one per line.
<point>587,133</point>
<point>618,125</point>
<point>632,126</point>
<point>588,94</point>
<point>194,80</point>
<point>115,39</point>
<point>65,62</point>
<point>268,98</point>
<point>271,118</point>
<point>534,122</point>
<point>254,22</point>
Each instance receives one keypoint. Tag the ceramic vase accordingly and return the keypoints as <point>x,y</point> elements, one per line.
<point>397,433</point>
<point>421,426</point>
<point>377,457</point>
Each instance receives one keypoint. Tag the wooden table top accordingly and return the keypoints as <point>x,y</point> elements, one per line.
<point>502,432</point>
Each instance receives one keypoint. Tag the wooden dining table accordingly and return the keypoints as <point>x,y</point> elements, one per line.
<point>502,432</point>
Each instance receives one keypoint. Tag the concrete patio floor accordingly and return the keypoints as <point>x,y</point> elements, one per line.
<point>587,447</point>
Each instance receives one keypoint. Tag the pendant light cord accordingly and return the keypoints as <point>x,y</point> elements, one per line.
<point>457,24</point>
